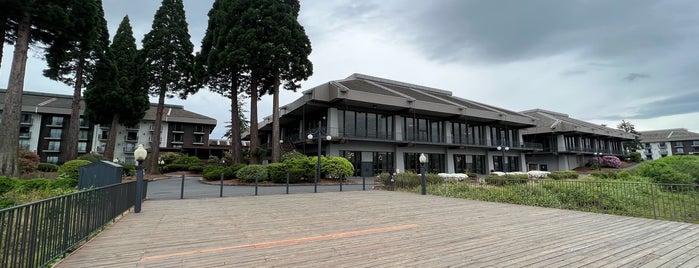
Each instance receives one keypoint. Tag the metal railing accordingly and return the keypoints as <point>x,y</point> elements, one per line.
<point>34,234</point>
<point>676,202</point>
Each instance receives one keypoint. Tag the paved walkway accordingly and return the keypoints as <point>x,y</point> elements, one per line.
<point>381,229</point>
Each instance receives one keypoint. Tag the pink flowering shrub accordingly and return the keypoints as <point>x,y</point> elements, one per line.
<point>611,161</point>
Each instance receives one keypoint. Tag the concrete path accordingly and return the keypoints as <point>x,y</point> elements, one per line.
<point>381,229</point>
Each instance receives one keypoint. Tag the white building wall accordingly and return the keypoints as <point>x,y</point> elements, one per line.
<point>34,129</point>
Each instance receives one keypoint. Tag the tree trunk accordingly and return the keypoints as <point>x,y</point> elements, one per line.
<point>236,146</point>
<point>276,132</point>
<point>254,139</point>
<point>9,136</point>
<point>70,141</point>
<point>152,159</point>
<point>111,138</point>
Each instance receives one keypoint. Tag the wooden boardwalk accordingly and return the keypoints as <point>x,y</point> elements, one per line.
<point>381,229</point>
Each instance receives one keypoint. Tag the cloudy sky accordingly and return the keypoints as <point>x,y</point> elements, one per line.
<point>600,61</point>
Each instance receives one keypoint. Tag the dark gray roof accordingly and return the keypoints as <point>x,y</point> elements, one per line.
<point>39,102</point>
<point>390,95</point>
<point>675,134</point>
<point>550,122</point>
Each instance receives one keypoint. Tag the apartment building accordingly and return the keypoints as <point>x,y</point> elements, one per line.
<point>665,142</point>
<point>568,143</point>
<point>45,119</point>
<point>382,125</point>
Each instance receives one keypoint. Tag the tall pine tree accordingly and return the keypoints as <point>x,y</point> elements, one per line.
<point>116,96</point>
<point>72,57</point>
<point>168,64</point>
<point>26,21</point>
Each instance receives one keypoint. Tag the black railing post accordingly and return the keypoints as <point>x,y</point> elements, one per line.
<point>182,188</point>
<point>342,176</point>
<point>363,183</point>
<point>220,194</point>
<point>287,183</point>
<point>256,181</point>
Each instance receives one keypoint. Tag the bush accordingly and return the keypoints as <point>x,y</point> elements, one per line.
<point>563,175</point>
<point>611,161</point>
<point>409,179</point>
<point>301,167</point>
<point>28,161</point>
<point>187,160</point>
<point>250,172</point>
<point>128,170</point>
<point>7,184</point>
<point>196,169</point>
<point>213,172</point>
<point>337,166</point>
<point>636,157</point>
<point>93,157</point>
<point>507,179</point>
<point>175,167</point>
<point>277,172</point>
<point>292,156</point>
<point>662,172</point>
<point>71,169</point>
<point>169,157</point>
<point>47,167</point>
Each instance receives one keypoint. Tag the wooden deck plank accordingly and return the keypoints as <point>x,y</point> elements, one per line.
<point>450,232</point>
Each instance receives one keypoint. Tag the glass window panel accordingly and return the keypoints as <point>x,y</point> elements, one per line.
<point>341,122</point>
<point>371,125</point>
<point>360,128</point>
<point>409,129</point>
<point>349,123</point>
<point>381,129</point>
<point>422,130</point>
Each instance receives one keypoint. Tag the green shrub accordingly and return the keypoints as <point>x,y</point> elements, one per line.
<point>636,157</point>
<point>63,183</point>
<point>7,184</point>
<point>128,170</point>
<point>507,179</point>
<point>196,169</point>
<point>71,169</point>
<point>662,172</point>
<point>187,160</point>
<point>47,167</point>
<point>335,167</point>
<point>292,155</point>
<point>301,167</point>
<point>409,179</point>
<point>28,161</point>
<point>250,172</point>
<point>169,157</point>
<point>235,167</point>
<point>93,157</point>
<point>213,173</point>
<point>277,172</point>
<point>563,175</point>
<point>175,167</point>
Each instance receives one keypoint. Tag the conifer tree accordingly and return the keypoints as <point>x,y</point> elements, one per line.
<point>168,64</point>
<point>72,57</point>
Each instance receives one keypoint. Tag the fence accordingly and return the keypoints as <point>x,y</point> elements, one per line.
<point>676,202</point>
<point>34,234</point>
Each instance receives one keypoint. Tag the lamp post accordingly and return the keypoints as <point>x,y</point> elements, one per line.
<point>139,154</point>
<point>503,149</point>
<point>423,161</point>
<point>310,136</point>
<point>598,156</point>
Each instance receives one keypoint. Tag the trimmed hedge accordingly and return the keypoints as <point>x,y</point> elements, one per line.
<point>71,169</point>
<point>47,167</point>
<point>250,172</point>
<point>409,179</point>
<point>507,179</point>
<point>196,169</point>
<point>563,175</point>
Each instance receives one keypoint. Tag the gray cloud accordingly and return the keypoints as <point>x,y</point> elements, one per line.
<point>633,76</point>
<point>673,105</point>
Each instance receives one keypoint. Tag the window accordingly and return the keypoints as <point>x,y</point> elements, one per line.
<point>132,136</point>
<point>82,147</point>
<point>57,121</point>
<point>354,157</point>
<point>24,143</point>
<point>679,144</point>
<point>418,129</point>
<point>24,132</point>
<point>54,145</point>
<point>177,138</point>
<point>360,126</point>
<point>679,150</point>
<point>178,127</point>
<point>83,134</point>
<point>435,162</point>
<point>55,133</point>
<point>52,159</point>
<point>199,138</point>
<point>365,125</point>
<point>104,134</point>
<point>84,122</point>
<point>26,119</point>
<point>383,162</point>
<point>199,128</point>
<point>130,147</point>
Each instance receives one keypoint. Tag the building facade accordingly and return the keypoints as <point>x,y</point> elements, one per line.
<point>381,125</point>
<point>45,119</point>
<point>568,143</point>
<point>665,142</point>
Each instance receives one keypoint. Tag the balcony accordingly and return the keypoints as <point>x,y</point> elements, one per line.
<point>695,143</point>
<point>663,152</point>
<point>25,135</point>
<point>176,142</point>
<point>26,122</point>
<point>53,137</point>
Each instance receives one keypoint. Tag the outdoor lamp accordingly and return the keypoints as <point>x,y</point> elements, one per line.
<point>500,148</point>
<point>423,161</point>
<point>139,154</point>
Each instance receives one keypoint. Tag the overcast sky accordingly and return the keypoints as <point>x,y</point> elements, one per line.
<point>600,61</point>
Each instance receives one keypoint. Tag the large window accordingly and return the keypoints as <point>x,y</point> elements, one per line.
<point>57,121</point>
<point>52,159</point>
<point>504,136</point>
<point>54,145</point>
<point>463,133</point>
<point>132,136</point>
<point>435,162</point>
<point>26,119</point>
<point>55,133</point>
<point>469,163</point>
<point>24,143</point>
<point>383,162</point>
<point>83,134</point>
<point>82,147</point>
<point>199,138</point>
<point>365,125</point>
<point>511,162</point>
<point>354,157</point>
<point>418,129</point>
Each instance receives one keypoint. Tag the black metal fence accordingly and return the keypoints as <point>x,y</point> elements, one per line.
<point>34,234</point>
<point>676,202</point>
